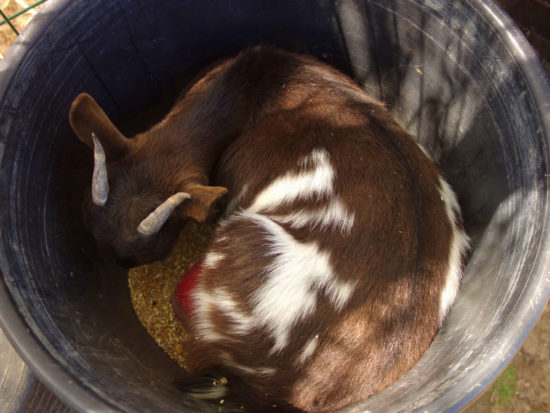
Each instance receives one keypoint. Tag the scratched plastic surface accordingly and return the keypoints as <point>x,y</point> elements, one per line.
<point>458,75</point>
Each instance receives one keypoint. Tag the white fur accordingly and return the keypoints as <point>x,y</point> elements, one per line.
<point>297,272</point>
<point>229,361</point>
<point>333,214</point>
<point>293,279</point>
<point>317,157</point>
<point>315,178</point>
<point>212,259</point>
<point>205,304</point>
<point>459,245</point>
<point>308,350</point>
<point>242,323</point>
<point>340,292</point>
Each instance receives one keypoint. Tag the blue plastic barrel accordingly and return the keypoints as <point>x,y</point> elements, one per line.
<point>457,74</point>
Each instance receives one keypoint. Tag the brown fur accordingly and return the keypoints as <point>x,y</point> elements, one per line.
<point>249,120</point>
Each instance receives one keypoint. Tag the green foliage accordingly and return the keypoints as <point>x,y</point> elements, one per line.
<point>505,387</point>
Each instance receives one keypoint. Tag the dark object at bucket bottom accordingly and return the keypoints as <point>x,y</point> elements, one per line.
<point>458,75</point>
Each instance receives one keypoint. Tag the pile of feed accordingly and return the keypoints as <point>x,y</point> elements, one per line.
<point>152,287</point>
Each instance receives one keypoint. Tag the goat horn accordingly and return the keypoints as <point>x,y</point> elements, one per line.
<point>156,219</point>
<point>100,183</point>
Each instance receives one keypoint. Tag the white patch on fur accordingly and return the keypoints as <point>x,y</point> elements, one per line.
<point>293,279</point>
<point>230,362</point>
<point>333,214</point>
<point>340,293</point>
<point>315,158</point>
<point>205,304</point>
<point>308,350</point>
<point>242,323</point>
<point>212,259</point>
<point>315,178</point>
<point>459,245</point>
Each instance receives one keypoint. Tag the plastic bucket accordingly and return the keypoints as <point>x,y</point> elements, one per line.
<point>458,75</point>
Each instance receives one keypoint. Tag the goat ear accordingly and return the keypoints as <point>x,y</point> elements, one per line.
<point>202,200</point>
<point>86,117</point>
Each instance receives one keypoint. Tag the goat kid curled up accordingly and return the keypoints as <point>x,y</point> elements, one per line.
<point>340,246</point>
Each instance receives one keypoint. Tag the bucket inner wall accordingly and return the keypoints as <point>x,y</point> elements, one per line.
<point>444,69</point>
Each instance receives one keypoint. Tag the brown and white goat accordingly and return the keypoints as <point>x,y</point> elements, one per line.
<point>340,248</point>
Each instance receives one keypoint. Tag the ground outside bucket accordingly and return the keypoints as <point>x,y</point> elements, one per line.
<point>458,75</point>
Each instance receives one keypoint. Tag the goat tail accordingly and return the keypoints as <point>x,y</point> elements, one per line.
<point>204,387</point>
<point>232,393</point>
